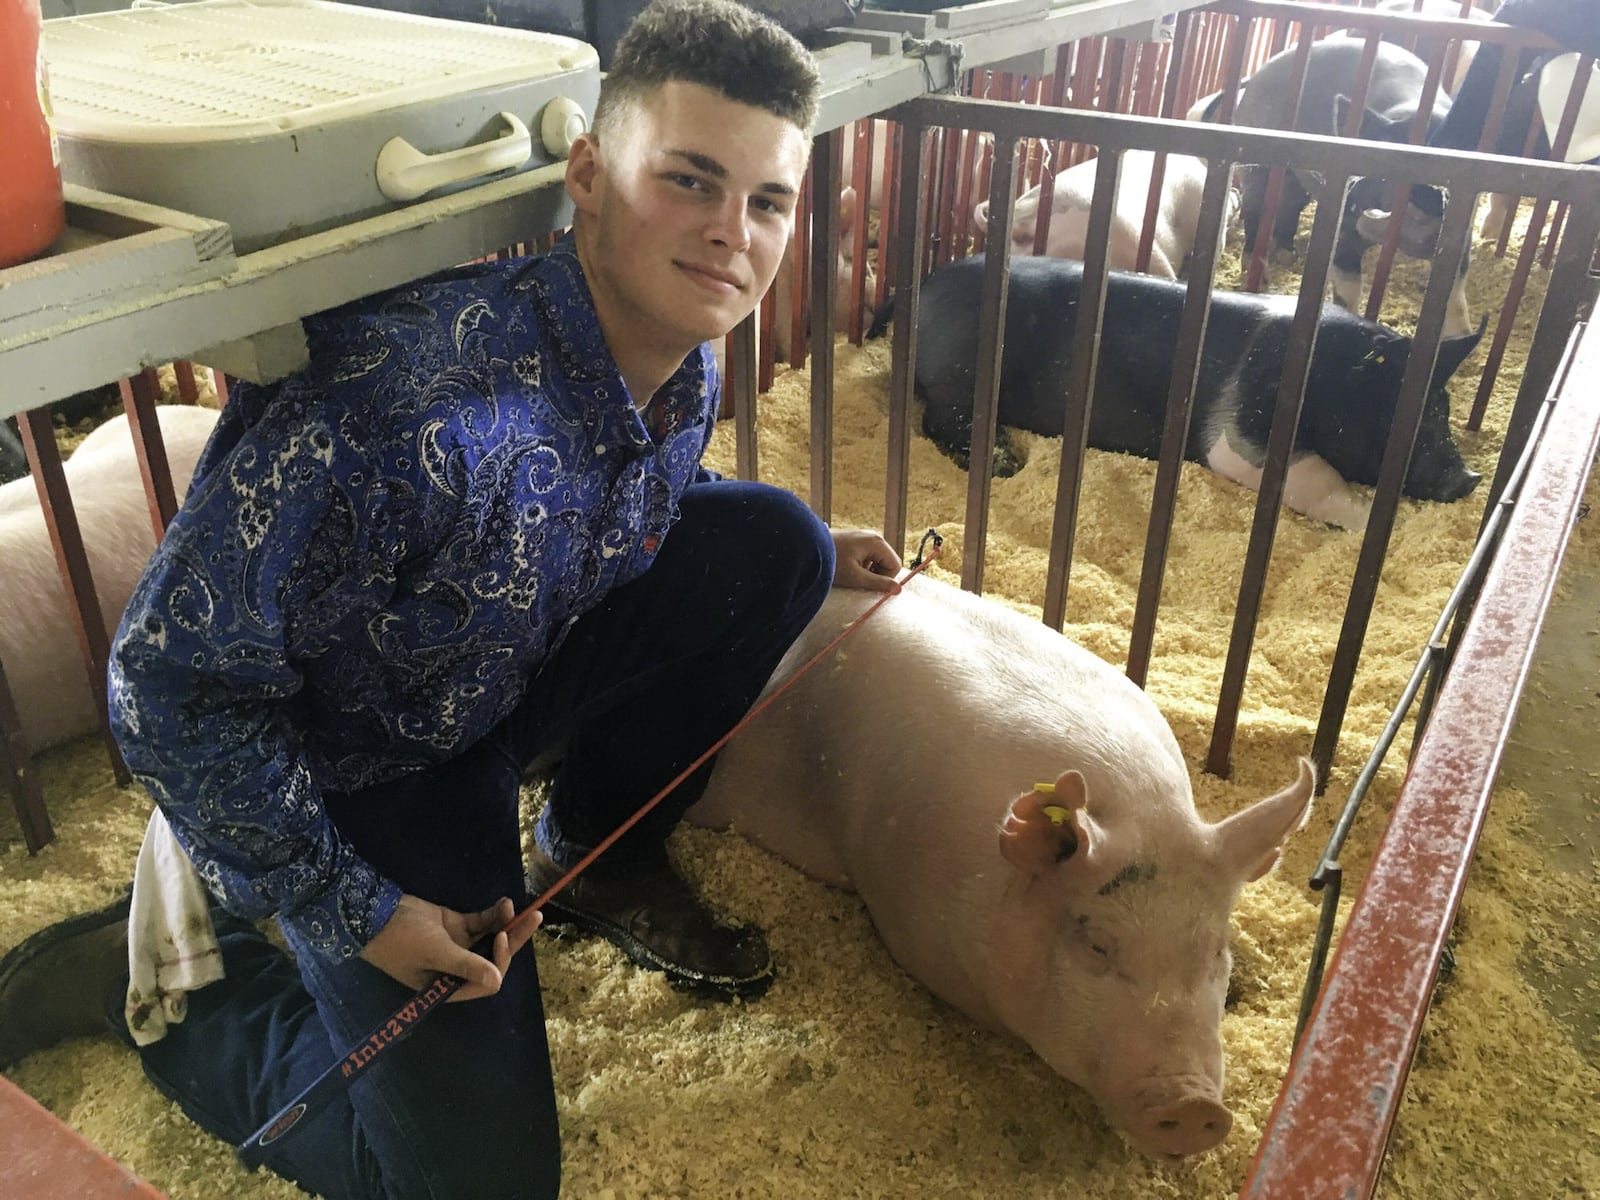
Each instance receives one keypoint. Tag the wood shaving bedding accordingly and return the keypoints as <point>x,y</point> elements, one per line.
<point>848,1079</point>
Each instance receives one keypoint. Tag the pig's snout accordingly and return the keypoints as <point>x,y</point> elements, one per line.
<point>1450,484</point>
<point>1458,484</point>
<point>1178,1118</point>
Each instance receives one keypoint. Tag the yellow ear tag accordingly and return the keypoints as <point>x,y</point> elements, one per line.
<point>1058,815</point>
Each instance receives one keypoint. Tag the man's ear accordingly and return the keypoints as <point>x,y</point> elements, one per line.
<point>585,175</point>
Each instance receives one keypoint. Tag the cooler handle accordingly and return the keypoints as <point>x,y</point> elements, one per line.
<point>405,173</point>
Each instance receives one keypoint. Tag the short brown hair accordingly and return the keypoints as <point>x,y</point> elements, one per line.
<point>720,45</point>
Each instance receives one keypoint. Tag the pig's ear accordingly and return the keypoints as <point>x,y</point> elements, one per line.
<point>1341,114</point>
<point>1043,827</point>
<point>1374,126</point>
<point>847,211</point>
<point>1249,841</point>
<point>1453,351</point>
<point>1386,356</point>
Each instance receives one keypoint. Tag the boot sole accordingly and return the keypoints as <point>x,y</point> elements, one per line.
<point>570,924</point>
<point>23,954</point>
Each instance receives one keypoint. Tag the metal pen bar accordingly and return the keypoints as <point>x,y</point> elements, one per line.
<point>1414,388</point>
<point>1080,383</point>
<point>1280,440</point>
<point>986,380</point>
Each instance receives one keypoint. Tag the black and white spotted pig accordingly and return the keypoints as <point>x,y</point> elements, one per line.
<point>1393,98</point>
<point>1349,405</point>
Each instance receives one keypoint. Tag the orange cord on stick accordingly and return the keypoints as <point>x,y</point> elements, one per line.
<point>919,564</point>
<point>411,1014</point>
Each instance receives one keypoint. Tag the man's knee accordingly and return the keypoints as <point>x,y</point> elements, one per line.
<point>767,536</point>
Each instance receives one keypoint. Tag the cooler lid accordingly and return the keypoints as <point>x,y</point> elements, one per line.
<point>232,69</point>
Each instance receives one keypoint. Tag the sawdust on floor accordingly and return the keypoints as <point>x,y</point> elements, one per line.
<point>848,1079</point>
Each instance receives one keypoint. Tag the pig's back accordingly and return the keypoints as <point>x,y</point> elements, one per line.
<point>1397,81</point>
<point>891,763</point>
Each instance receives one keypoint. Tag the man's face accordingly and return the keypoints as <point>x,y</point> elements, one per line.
<point>690,201</point>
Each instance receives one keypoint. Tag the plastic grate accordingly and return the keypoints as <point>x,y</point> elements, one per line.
<point>235,67</point>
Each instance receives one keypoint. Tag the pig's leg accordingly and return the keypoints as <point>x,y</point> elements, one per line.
<point>947,420</point>
<point>1291,203</point>
<point>1457,316</point>
<point>1312,486</point>
<point>1494,216</point>
<point>1008,458</point>
<point>1252,200</point>
<point>1344,273</point>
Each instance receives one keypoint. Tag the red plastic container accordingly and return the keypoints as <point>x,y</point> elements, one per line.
<point>31,212</point>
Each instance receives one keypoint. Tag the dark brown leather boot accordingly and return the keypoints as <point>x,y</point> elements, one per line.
<point>59,983</point>
<point>652,916</point>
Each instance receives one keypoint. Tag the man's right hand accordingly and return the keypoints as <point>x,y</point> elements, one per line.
<point>423,940</point>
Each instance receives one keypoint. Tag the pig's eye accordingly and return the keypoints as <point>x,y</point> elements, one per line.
<point>1097,951</point>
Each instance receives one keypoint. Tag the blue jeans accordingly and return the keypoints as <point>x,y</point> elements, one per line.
<point>465,1108</point>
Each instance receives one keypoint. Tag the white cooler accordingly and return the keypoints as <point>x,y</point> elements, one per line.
<point>288,117</point>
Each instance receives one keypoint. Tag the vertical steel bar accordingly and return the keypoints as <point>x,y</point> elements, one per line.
<point>1275,174</point>
<point>902,378</point>
<point>1285,420</point>
<point>858,233</point>
<point>1080,384</point>
<point>139,396</point>
<point>799,286</point>
<point>72,561</point>
<point>1400,199</point>
<point>16,767</point>
<point>1566,291</point>
<point>1180,401</point>
<point>1178,67</point>
<point>960,232</point>
<point>1414,387</point>
<point>183,373</point>
<point>1569,117</point>
<point>742,366</point>
<point>826,161</point>
<point>1530,244</point>
<point>991,347</point>
<point>766,342</point>
<point>889,216</point>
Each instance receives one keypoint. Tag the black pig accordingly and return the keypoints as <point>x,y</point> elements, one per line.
<point>1393,97</point>
<point>1349,405</point>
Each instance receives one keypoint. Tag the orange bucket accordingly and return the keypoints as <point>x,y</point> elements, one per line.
<point>31,212</point>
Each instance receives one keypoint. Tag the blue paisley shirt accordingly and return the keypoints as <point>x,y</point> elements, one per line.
<point>375,556</point>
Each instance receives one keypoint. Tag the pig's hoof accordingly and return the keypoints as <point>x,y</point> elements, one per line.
<point>1006,462</point>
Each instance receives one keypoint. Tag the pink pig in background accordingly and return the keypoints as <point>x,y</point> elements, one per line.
<point>1183,183</point>
<point>38,646</point>
<point>1091,922</point>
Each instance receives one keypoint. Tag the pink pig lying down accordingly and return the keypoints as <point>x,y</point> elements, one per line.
<point>1090,921</point>
<point>38,646</point>
<point>1183,182</point>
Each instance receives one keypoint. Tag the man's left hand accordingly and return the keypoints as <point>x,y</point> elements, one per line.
<point>862,559</point>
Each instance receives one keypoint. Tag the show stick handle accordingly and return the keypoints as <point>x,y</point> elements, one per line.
<point>342,1073</point>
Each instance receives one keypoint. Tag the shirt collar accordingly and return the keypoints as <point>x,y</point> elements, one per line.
<point>567,309</point>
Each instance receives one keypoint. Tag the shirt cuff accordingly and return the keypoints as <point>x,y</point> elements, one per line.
<point>339,922</point>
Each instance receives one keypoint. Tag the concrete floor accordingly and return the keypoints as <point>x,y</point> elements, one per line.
<point>1554,756</point>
